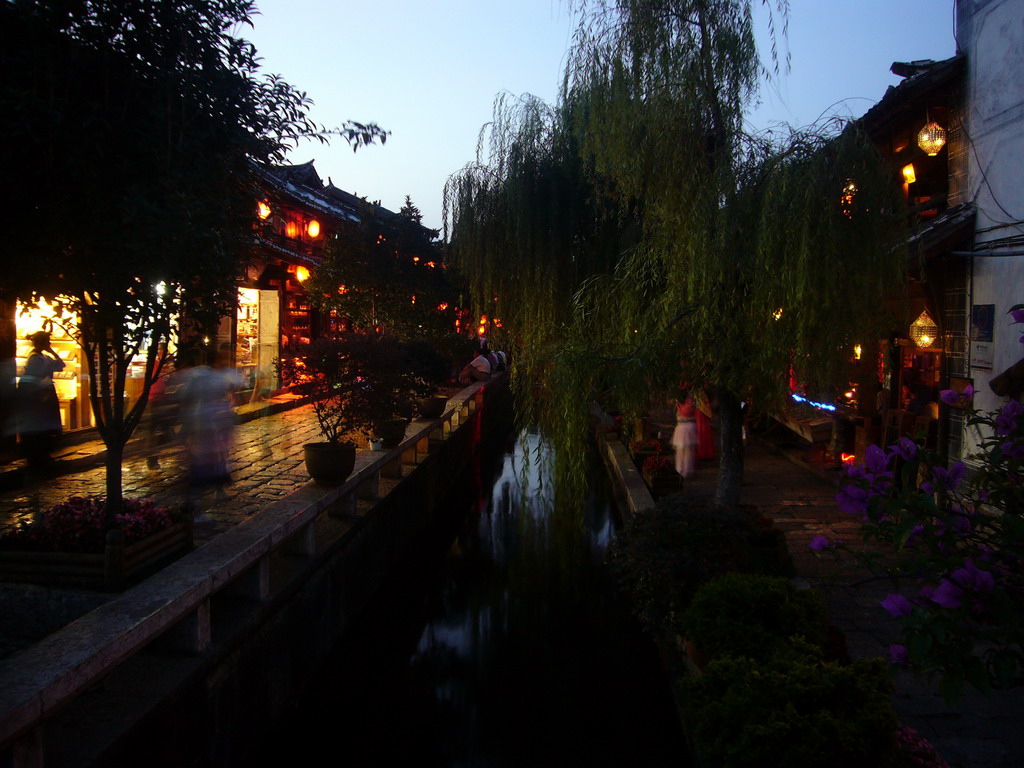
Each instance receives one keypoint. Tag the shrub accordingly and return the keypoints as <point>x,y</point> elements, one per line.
<point>754,616</point>
<point>663,555</point>
<point>792,713</point>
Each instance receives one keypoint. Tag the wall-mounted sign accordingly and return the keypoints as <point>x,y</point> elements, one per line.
<point>982,336</point>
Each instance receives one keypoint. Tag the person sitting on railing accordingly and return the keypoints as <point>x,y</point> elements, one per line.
<point>477,369</point>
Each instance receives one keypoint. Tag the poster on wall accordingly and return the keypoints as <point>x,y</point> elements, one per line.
<point>982,331</point>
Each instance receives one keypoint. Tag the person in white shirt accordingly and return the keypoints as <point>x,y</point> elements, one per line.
<point>477,369</point>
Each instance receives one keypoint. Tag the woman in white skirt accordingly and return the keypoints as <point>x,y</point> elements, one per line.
<point>684,436</point>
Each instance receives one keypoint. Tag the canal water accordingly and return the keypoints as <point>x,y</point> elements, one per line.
<point>504,644</point>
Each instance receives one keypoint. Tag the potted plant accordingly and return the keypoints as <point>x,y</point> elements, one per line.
<point>82,543</point>
<point>430,369</point>
<point>328,370</point>
<point>361,382</point>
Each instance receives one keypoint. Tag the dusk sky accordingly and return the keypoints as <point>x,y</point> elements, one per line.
<point>429,73</point>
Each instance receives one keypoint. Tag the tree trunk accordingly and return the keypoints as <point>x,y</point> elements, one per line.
<point>115,455</point>
<point>730,444</point>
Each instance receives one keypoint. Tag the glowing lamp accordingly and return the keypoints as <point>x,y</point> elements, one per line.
<point>342,290</point>
<point>481,330</point>
<point>777,314</point>
<point>908,173</point>
<point>923,331</point>
<point>931,139</point>
<point>857,352</point>
<point>301,274</point>
<point>291,229</point>
<point>313,228</point>
<point>442,306</point>
<point>847,458</point>
<point>262,210</point>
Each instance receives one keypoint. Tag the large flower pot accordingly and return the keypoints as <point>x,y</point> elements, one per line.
<point>431,407</point>
<point>391,432</point>
<point>116,568</point>
<point>329,463</point>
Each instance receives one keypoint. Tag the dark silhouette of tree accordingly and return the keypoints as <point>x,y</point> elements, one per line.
<point>129,149</point>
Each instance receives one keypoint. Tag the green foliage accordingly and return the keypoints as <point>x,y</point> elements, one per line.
<point>635,228</point>
<point>359,381</point>
<point>663,555</point>
<point>387,270</point>
<point>795,713</point>
<point>754,616</point>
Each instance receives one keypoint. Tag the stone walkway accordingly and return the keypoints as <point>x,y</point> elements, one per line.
<point>798,493</point>
<point>266,464</point>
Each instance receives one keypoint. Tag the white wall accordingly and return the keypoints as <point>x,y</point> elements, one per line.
<point>991,34</point>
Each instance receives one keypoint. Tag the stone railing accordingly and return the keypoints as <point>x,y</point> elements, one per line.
<point>176,610</point>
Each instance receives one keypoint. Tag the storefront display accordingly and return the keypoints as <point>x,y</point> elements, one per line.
<point>256,338</point>
<point>75,410</point>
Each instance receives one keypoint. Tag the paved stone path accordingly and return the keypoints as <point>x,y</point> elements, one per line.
<point>798,495</point>
<point>266,464</point>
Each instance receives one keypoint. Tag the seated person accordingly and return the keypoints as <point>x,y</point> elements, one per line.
<point>477,369</point>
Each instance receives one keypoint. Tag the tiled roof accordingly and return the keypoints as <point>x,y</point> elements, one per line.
<point>906,100</point>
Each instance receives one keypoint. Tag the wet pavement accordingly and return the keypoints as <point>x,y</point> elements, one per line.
<point>265,462</point>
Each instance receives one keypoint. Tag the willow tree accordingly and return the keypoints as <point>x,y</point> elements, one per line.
<point>753,259</point>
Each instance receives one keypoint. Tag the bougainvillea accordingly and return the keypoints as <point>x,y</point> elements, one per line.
<point>957,542</point>
<point>81,523</point>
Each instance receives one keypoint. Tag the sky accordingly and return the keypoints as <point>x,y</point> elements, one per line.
<point>429,71</point>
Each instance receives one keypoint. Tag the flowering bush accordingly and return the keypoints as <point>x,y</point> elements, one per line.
<point>656,464</point>
<point>917,751</point>
<point>654,445</point>
<point>80,524</point>
<point>958,542</point>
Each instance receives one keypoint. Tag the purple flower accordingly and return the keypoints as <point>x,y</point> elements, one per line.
<point>952,397</point>
<point>905,448</point>
<point>1006,421</point>
<point>897,605</point>
<point>948,595</point>
<point>973,577</point>
<point>875,460</point>
<point>945,479</point>
<point>1013,449</point>
<point>853,499</point>
<point>898,654</point>
<point>819,543</point>
<point>1018,315</point>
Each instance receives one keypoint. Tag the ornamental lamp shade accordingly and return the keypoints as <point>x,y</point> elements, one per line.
<point>931,139</point>
<point>924,331</point>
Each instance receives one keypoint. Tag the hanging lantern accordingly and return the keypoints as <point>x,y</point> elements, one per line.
<point>313,228</point>
<point>924,331</point>
<point>301,274</point>
<point>263,210</point>
<point>291,229</point>
<point>909,175</point>
<point>931,139</point>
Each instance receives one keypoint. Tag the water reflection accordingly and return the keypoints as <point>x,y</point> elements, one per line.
<point>508,648</point>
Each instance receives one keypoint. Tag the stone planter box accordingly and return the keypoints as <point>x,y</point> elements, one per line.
<point>118,567</point>
<point>661,482</point>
